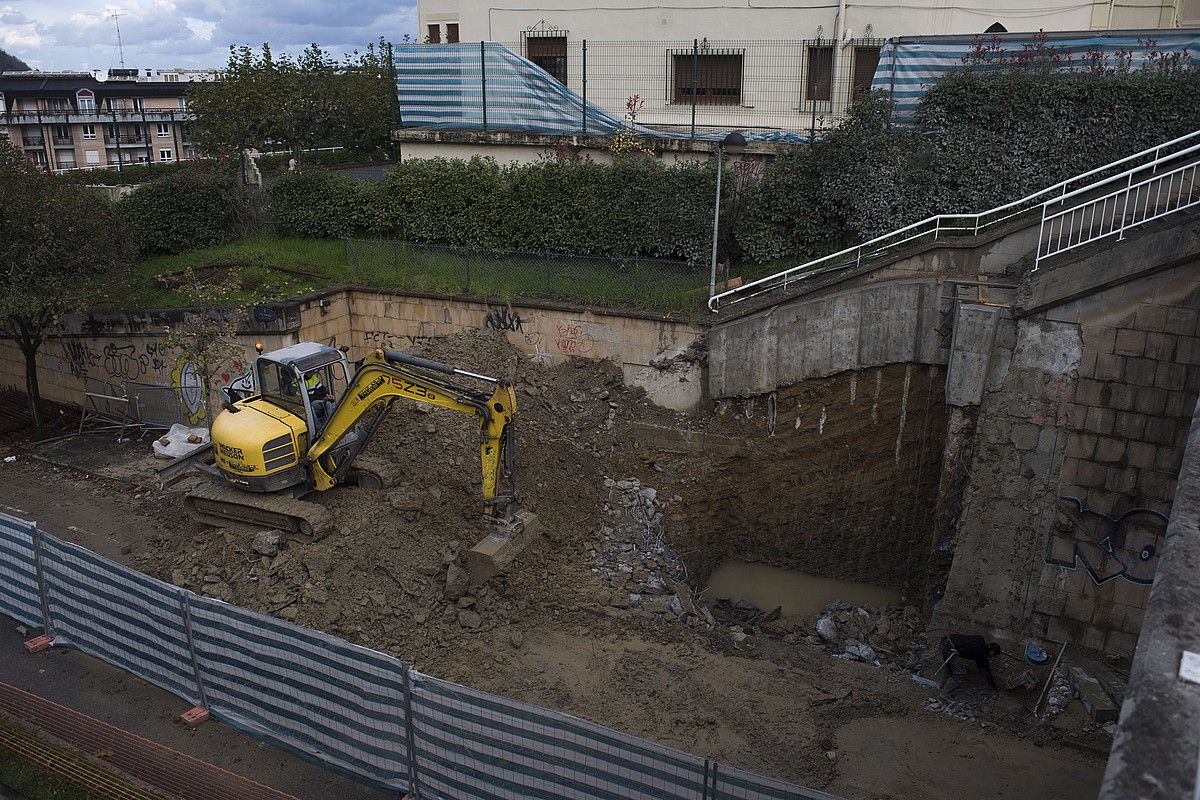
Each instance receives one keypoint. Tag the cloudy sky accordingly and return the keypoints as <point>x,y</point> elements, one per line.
<point>80,35</point>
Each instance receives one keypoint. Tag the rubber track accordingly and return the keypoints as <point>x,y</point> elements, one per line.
<point>213,504</point>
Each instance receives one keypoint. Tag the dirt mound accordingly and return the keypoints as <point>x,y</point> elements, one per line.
<point>381,578</point>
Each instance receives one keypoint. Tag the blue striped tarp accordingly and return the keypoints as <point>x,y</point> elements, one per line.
<point>909,65</point>
<point>18,575</point>
<point>344,706</point>
<point>486,747</point>
<point>443,87</point>
<point>315,695</point>
<point>119,615</point>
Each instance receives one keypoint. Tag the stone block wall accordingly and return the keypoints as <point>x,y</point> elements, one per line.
<point>1127,425</point>
<point>839,481</point>
<point>1079,444</point>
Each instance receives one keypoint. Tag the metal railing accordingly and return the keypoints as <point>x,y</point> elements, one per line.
<point>1112,214</point>
<point>1053,201</point>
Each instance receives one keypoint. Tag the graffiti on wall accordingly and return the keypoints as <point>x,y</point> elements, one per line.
<point>502,319</point>
<point>1126,547</point>
<point>572,339</point>
<point>117,362</point>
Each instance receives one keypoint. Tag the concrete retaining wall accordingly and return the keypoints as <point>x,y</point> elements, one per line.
<point>111,348</point>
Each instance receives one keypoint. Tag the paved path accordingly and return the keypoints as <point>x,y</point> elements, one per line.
<point>106,693</point>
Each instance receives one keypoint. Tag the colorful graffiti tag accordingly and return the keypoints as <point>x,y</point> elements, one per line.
<point>1126,547</point>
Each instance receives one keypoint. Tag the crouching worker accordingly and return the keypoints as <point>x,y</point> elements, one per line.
<point>956,646</point>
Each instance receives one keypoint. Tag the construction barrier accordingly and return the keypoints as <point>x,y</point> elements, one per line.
<point>350,709</point>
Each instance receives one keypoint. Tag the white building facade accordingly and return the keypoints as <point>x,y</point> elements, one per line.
<point>754,64</point>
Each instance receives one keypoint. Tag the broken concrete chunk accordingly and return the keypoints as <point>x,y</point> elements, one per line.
<point>1097,703</point>
<point>267,543</point>
<point>827,630</point>
<point>456,581</point>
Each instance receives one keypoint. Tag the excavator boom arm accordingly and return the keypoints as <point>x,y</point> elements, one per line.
<point>389,375</point>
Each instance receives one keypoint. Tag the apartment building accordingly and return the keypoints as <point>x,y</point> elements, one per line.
<point>73,120</point>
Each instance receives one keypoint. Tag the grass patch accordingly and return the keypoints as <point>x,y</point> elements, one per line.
<point>648,284</point>
<point>26,781</point>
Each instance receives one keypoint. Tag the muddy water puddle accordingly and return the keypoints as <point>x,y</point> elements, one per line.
<point>767,587</point>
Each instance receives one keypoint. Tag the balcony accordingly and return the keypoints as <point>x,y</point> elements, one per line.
<point>33,141</point>
<point>63,141</point>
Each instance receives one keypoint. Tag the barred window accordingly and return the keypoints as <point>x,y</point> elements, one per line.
<point>866,59</point>
<point>549,53</point>
<point>818,84</point>
<point>714,78</point>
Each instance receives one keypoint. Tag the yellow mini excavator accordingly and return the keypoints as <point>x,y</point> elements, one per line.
<point>303,423</point>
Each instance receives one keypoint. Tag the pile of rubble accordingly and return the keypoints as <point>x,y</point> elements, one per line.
<point>640,570</point>
<point>892,636</point>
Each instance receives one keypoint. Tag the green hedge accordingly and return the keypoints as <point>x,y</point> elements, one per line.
<point>981,139</point>
<point>637,205</point>
<point>191,208</point>
<point>129,174</point>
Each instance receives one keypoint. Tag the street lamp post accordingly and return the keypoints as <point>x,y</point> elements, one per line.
<point>733,142</point>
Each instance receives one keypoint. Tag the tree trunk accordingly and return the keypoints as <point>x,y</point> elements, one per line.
<point>29,349</point>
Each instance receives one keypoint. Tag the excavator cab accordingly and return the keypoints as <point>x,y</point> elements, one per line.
<point>305,379</point>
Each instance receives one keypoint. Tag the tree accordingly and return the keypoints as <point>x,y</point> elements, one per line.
<point>276,102</point>
<point>206,339</point>
<point>62,246</point>
<point>10,63</point>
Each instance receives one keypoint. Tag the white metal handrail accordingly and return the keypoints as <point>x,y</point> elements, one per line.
<point>1118,211</point>
<point>964,224</point>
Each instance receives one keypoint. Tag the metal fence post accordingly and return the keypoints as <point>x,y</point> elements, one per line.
<point>346,249</point>
<point>637,277</point>
<point>112,110</point>
<point>695,81</point>
<point>410,738</point>
<point>467,269</point>
<point>185,608</point>
<point>43,593</point>
<point>584,106</point>
<point>146,134</point>
<point>704,795</point>
<point>483,80</point>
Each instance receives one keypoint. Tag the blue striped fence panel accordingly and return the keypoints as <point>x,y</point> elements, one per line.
<point>737,784</point>
<point>910,65</point>
<point>119,615</point>
<point>18,574</point>
<point>440,87</point>
<point>320,697</point>
<point>471,744</point>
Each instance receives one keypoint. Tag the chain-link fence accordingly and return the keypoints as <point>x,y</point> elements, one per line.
<point>351,709</point>
<point>633,282</point>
